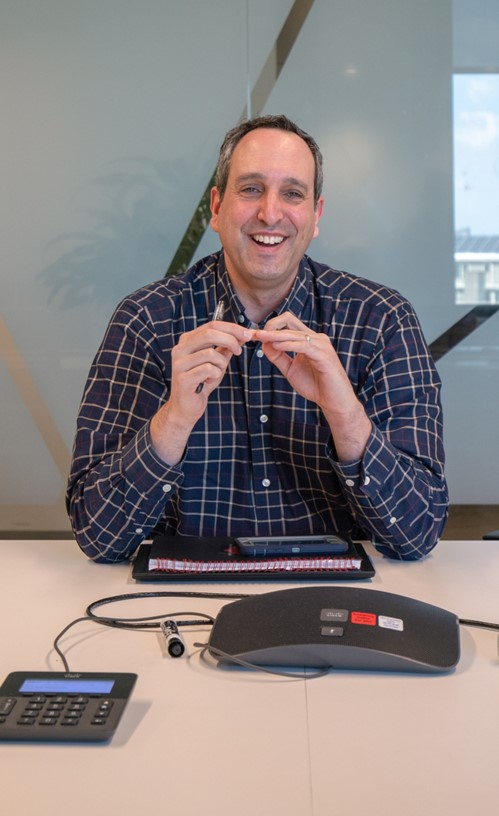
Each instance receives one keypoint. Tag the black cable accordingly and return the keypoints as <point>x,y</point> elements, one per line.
<point>205,647</point>
<point>59,636</point>
<point>144,623</point>
<point>128,596</point>
<point>480,624</point>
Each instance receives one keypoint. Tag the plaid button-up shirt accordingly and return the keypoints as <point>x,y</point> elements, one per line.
<point>261,461</point>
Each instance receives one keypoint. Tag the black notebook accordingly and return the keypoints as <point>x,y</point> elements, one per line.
<point>190,558</point>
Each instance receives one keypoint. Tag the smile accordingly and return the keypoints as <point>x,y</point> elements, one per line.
<point>268,239</point>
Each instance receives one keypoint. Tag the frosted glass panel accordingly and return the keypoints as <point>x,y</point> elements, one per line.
<point>371,82</point>
<point>113,115</point>
<point>476,34</point>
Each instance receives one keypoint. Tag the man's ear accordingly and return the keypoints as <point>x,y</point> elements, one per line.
<point>215,202</point>
<point>318,215</point>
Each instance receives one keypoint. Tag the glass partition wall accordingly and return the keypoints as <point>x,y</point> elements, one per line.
<point>115,112</point>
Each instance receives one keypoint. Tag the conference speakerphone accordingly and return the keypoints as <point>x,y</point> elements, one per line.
<point>63,706</point>
<point>339,628</point>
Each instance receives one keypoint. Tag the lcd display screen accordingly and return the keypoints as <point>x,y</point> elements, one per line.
<point>41,685</point>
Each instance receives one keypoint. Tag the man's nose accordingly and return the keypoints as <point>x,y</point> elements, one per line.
<point>270,210</point>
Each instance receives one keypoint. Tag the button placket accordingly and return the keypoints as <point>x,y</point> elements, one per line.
<point>259,379</point>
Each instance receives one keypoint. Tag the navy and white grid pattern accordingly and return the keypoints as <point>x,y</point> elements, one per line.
<point>261,460</point>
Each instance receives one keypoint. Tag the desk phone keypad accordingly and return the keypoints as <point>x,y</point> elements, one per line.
<point>55,706</point>
<point>56,710</point>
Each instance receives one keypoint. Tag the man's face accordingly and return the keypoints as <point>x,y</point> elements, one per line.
<point>267,217</point>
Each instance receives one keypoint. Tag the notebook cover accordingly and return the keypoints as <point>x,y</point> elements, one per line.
<point>209,550</point>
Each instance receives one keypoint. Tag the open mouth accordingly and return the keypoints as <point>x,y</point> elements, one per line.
<point>268,240</point>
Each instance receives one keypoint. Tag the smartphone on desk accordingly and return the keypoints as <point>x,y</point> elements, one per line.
<point>292,545</point>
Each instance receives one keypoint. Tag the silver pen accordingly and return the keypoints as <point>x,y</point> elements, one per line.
<point>218,315</point>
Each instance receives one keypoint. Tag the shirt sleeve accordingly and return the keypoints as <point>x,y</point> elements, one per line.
<point>397,492</point>
<point>118,487</point>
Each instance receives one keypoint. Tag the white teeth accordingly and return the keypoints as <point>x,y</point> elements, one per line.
<point>269,239</point>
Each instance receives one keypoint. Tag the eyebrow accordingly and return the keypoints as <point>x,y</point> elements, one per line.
<point>291,180</point>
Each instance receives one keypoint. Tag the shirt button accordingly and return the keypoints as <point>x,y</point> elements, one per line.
<point>139,530</point>
<point>367,480</point>
<point>259,352</point>
<point>350,482</point>
<point>393,520</point>
<point>166,488</point>
<point>264,418</point>
<point>266,482</point>
<point>240,318</point>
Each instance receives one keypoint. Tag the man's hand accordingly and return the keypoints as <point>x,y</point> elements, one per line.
<point>311,365</point>
<point>201,356</point>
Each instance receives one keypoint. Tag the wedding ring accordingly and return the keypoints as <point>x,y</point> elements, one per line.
<point>307,338</point>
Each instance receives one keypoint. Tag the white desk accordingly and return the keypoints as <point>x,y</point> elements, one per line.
<point>197,739</point>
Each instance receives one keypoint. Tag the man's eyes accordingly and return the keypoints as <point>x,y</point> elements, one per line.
<point>251,191</point>
<point>294,195</point>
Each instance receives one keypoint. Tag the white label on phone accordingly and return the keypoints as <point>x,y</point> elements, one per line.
<point>391,623</point>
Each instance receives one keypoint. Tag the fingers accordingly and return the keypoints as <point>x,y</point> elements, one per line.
<point>210,367</point>
<point>286,332</point>
<point>214,335</point>
<point>288,340</point>
<point>202,355</point>
<point>286,320</point>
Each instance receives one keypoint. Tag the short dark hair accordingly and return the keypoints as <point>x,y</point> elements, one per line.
<point>279,122</point>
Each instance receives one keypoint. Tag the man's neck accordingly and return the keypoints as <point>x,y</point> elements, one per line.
<point>259,303</point>
<point>258,307</point>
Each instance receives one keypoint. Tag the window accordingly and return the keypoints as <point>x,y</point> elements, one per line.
<point>476,185</point>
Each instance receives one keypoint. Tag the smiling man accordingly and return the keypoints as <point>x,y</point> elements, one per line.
<point>312,406</point>
<point>266,215</point>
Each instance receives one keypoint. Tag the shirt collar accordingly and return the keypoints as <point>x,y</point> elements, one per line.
<point>297,301</point>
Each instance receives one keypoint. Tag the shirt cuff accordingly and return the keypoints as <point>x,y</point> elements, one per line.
<point>143,468</point>
<point>368,474</point>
